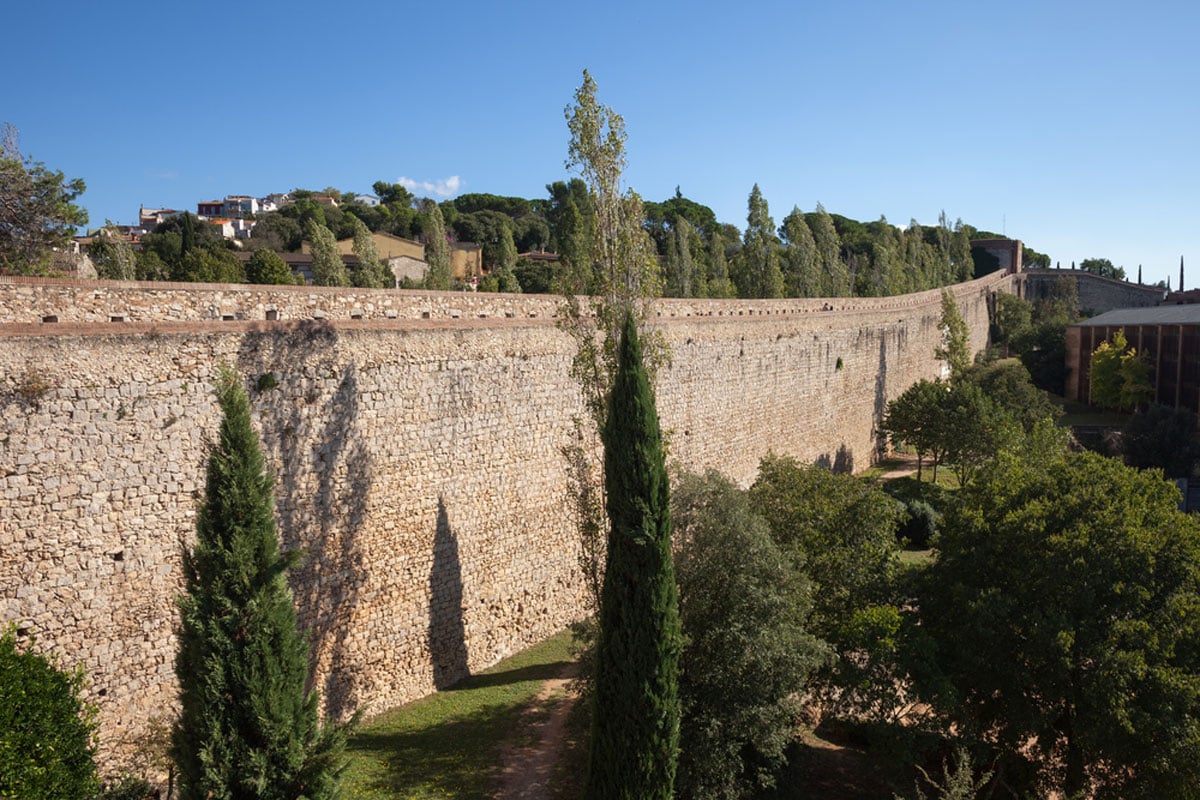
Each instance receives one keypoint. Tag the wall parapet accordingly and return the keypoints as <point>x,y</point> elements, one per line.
<point>50,301</point>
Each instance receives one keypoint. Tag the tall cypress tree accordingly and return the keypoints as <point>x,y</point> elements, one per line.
<point>247,727</point>
<point>635,731</point>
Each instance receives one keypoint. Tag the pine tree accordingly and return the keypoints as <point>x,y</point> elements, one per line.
<point>635,729</point>
<point>247,728</point>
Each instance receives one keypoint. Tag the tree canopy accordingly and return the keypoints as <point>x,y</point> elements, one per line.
<point>1065,601</point>
<point>38,214</point>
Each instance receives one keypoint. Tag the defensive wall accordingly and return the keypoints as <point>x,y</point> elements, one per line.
<point>416,442</point>
<point>1097,294</point>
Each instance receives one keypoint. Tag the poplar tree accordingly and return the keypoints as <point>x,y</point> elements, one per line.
<point>328,269</point>
<point>437,251</point>
<point>248,727</point>
<point>803,275</point>
<point>835,279</point>
<point>369,273</point>
<point>955,348</point>
<point>761,276</point>
<point>635,724</point>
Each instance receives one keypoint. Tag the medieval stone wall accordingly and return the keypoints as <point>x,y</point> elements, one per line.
<point>417,459</point>
<point>1097,294</point>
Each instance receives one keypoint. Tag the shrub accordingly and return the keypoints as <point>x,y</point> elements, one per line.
<point>127,788</point>
<point>47,735</point>
<point>919,527</point>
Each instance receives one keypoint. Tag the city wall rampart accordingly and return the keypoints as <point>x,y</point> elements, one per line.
<point>1096,293</point>
<point>417,458</point>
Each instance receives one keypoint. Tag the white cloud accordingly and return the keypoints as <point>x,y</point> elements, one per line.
<point>443,187</point>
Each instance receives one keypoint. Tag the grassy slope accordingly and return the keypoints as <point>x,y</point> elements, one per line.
<point>449,745</point>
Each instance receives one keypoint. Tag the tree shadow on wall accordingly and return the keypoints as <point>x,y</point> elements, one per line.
<point>447,631</point>
<point>325,475</point>
<point>842,462</point>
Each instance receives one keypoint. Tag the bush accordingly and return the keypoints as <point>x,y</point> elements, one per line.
<point>47,735</point>
<point>749,654</point>
<point>919,527</point>
<point>908,489</point>
<point>127,788</point>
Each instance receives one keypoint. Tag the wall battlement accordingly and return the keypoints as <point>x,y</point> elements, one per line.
<point>417,459</point>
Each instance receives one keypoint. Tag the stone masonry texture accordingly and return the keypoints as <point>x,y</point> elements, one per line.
<point>416,444</point>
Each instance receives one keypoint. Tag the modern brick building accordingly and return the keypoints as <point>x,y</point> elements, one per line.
<point>1168,335</point>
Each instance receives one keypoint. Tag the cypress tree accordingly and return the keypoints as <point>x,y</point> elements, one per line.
<point>635,731</point>
<point>248,728</point>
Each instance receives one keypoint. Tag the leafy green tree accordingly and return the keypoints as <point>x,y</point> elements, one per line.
<point>1162,437</point>
<point>912,419</point>
<point>1102,267</point>
<point>1065,603</point>
<point>748,655</point>
<point>974,429</point>
<point>802,273</point>
<point>274,231</point>
<point>437,250</point>
<point>265,267</point>
<point>369,272</point>
<point>625,271</point>
<point>506,260</point>
<point>112,255</point>
<point>1119,375</point>
<point>328,269</point>
<point>47,735</point>
<point>1013,318</point>
<point>835,279</point>
<point>842,530</point>
<point>206,265</point>
<point>1043,351</point>
<point>961,261</point>
<point>679,272</point>
<point>1009,384</point>
<point>248,727</point>
<point>38,214</point>
<point>760,275</point>
<point>392,193</point>
<point>635,723</point>
<point>955,348</point>
<point>150,267</point>
<point>717,284</point>
<point>572,220</point>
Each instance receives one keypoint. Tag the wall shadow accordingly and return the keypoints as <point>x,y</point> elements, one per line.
<point>324,478</point>
<point>447,630</point>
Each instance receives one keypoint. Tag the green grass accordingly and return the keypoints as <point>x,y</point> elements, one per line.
<point>881,468</point>
<point>916,558</point>
<point>449,745</point>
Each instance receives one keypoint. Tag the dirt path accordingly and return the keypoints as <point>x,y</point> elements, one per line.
<point>906,469</point>
<point>527,769</point>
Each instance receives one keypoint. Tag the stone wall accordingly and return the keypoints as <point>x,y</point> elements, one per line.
<point>417,460</point>
<point>1097,294</point>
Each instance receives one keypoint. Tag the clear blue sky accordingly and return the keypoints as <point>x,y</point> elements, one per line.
<point>1070,125</point>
